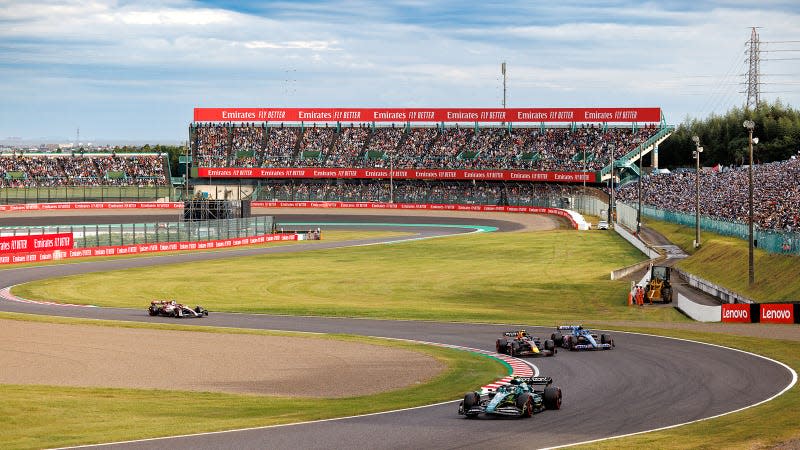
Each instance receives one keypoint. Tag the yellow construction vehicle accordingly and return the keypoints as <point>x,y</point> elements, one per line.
<point>658,289</point>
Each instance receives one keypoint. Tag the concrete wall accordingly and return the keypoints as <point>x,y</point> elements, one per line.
<point>625,271</point>
<point>700,313</point>
<point>635,241</point>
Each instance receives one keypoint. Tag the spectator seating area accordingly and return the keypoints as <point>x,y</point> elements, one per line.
<point>587,147</point>
<point>419,191</point>
<point>91,169</point>
<point>724,194</point>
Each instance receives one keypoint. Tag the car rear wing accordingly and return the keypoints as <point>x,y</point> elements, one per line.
<point>569,327</point>
<point>513,333</point>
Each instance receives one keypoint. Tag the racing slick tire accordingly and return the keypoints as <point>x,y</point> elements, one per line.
<point>152,311</point>
<point>525,404</point>
<point>605,339</point>
<point>501,345</point>
<point>666,295</point>
<point>570,342</point>
<point>550,345</point>
<point>557,338</point>
<point>470,399</point>
<point>513,349</point>
<point>552,397</point>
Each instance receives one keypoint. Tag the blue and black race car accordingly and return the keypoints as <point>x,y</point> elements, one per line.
<point>519,343</point>
<point>575,337</point>
<point>522,397</point>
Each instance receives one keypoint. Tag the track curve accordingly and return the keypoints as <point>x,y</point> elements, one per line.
<point>643,384</point>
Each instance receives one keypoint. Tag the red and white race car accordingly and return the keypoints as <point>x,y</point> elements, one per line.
<point>171,308</point>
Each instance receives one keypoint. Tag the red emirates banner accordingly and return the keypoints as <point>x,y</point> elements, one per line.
<point>403,174</point>
<point>489,115</point>
<point>736,312</point>
<point>91,205</point>
<point>55,255</point>
<point>35,243</point>
<point>776,313</point>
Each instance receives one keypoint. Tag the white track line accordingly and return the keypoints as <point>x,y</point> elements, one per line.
<point>789,386</point>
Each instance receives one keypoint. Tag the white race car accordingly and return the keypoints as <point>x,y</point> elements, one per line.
<point>171,308</point>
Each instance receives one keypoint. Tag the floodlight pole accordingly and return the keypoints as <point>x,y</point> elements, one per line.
<point>639,210</point>
<point>697,151</point>
<point>611,207</point>
<point>749,124</point>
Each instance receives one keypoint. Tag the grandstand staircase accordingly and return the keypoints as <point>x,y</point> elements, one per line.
<point>627,165</point>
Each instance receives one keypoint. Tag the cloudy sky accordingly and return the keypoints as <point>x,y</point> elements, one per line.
<point>134,70</point>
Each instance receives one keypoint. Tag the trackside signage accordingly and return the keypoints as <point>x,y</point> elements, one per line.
<point>736,312</point>
<point>35,243</point>
<point>52,255</point>
<point>396,115</point>
<point>91,205</point>
<point>401,174</point>
<point>776,313</point>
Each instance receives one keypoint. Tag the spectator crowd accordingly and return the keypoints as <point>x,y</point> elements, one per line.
<point>724,194</point>
<point>418,191</point>
<point>588,147</point>
<point>45,170</point>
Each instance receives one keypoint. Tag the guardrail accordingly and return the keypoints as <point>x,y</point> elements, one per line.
<point>723,294</point>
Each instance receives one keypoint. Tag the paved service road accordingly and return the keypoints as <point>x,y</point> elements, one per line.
<point>647,382</point>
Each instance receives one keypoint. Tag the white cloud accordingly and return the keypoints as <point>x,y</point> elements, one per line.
<point>191,55</point>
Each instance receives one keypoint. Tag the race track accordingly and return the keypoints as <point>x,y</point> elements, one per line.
<point>647,382</point>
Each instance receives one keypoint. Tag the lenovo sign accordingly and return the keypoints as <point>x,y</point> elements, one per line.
<point>736,312</point>
<point>777,313</point>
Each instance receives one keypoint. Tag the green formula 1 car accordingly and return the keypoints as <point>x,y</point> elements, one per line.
<point>522,397</point>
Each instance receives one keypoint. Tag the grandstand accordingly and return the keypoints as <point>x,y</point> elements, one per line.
<point>437,139</point>
<point>79,169</point>
<point>467,156</point>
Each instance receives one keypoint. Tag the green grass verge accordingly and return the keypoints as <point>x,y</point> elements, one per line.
<point>723,261</point>
<point>765,426</point>
<point>543,277</point>
<point>48,416</point>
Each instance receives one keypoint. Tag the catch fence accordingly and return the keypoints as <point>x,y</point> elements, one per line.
<point>103,235</point>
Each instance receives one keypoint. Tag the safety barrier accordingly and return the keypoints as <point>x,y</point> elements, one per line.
<point>576,220</point>
<point>90,205</point>
<point>116,250</point>
<point>698,312</point>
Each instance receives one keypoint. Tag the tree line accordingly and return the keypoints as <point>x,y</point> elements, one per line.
<point>725,140</point>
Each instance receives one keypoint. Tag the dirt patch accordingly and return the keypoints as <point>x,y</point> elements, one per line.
<point>94,356</point>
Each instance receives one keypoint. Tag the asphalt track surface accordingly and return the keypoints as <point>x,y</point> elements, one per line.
<point>646,383</point>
